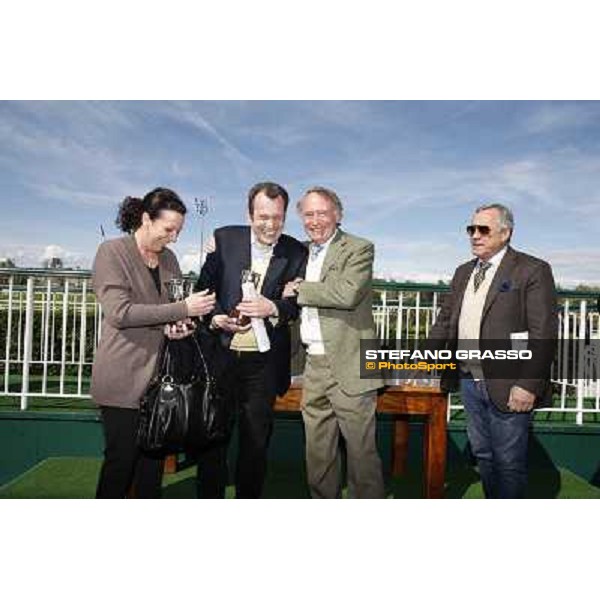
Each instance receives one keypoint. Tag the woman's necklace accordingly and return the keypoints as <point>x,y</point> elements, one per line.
<point>149,257</point>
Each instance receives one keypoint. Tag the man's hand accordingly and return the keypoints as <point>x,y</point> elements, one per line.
<point>228,324</point>
<point>180,330</point>
<point>520,400</point>
<point>210,246</point>
<point>200,303</point>
<point>291,288</point>
<point>260,307</point>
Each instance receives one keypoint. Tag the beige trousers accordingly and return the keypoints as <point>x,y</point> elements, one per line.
<point>327,411</point>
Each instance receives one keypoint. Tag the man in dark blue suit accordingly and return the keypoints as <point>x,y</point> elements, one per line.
<point>257,366</point>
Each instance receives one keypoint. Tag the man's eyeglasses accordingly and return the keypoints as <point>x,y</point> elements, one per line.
<point>482,229</point>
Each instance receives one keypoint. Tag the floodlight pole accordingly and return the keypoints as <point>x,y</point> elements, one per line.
<point>201,209</point>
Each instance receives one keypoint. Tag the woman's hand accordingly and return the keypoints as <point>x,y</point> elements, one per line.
<point>180,330</point>
<point>200,303</point>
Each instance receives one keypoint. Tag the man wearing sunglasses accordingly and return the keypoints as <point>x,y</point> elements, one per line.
<point>501,298</point>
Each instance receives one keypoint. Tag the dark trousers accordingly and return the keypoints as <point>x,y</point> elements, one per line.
<point>251,382</point>
<point>498,441</point>
<point>126,471</point>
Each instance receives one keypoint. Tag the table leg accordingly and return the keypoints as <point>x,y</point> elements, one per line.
<point>170,464</point>
<point>435,442</point>
<point>400,447</point>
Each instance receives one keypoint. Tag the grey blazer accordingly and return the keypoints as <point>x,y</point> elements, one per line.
<point>133,317</point>
<point>344,298</point>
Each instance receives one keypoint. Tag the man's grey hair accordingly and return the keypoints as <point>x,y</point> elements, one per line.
<point>325,193</point>
<point>507,220</point>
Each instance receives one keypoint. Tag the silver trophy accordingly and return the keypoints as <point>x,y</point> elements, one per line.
<point>247,276</point>
<point>176,289</point>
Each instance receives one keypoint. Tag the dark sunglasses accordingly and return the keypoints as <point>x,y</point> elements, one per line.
<point>483,229</point>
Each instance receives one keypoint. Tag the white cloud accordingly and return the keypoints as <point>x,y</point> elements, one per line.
<point>33,255</point>
<point>54,251</point>
<point>570,267</point>
<point>413,276</point>
<point>74,154</point>
<point>564,181</point>
<point>189,262</point>
<point>424,261</point>
<point>552,117</point>
<point>189,114</point>
<point>78,196</point>
<point>574,266</point>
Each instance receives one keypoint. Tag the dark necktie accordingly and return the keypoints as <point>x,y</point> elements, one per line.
<point>480,274</point>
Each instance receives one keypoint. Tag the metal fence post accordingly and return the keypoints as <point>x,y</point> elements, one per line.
<point>82,334</point>
<point>28,343</point>
<point>63,349</point>
<point>47,305</point>
<point>399,316</point>
<point>8,335</point>
<point>581,362</point>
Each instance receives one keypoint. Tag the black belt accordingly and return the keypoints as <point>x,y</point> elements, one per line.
<point>247,353</point>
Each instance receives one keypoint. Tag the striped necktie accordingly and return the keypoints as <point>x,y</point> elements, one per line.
<point>480,274</point>
<point>315,250</point>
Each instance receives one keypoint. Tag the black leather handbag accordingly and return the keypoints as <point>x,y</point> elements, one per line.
<point>183,408</point>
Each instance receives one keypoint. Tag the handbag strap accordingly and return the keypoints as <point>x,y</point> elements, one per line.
<point>166,360</point>
<point>165,369</point>
<point>201,357</point>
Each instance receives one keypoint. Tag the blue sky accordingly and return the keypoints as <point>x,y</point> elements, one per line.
<point>409,173</point>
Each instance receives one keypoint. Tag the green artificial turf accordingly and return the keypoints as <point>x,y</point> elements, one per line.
<point>67,477</point>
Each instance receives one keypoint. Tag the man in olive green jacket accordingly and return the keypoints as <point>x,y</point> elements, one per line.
<point>335,297</point>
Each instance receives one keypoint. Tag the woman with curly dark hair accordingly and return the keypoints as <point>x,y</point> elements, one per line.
<point>129,278</point>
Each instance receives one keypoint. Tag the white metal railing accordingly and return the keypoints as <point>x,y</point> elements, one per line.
<point>50,324</point>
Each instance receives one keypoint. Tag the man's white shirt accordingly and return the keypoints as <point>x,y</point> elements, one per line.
<point>310,327</point>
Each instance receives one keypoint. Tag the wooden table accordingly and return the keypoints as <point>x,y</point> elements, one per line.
<point>401,401</point>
